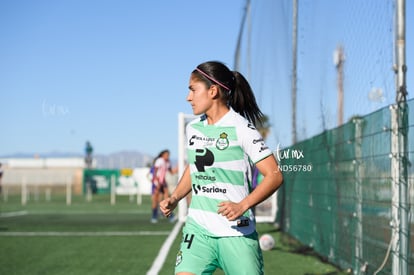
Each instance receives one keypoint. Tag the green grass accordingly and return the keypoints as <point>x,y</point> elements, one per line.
<point>92,252</point>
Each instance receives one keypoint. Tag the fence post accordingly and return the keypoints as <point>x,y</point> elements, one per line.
<point>401,247</point>
<point>48,193</point>
<point>68,191</point>
<point>113,195</point>
<point>139,194</point>
<point>394,190</point>
<point>358,265</point>
<point>5,193</point>
<point>88,191</point>
<point>399,201</point>
<point>24,191</point>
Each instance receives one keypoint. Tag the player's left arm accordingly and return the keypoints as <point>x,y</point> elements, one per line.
<point>272,180</point>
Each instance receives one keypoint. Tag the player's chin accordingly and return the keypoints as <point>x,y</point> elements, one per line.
<point>196,111</point>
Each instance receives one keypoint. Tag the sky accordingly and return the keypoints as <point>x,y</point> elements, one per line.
<point>112,72</point>
<point>116,73</point>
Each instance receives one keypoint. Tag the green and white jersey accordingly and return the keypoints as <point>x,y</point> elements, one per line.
<point>220,158</point>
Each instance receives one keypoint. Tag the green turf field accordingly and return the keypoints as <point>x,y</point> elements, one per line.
<point>49,237</point>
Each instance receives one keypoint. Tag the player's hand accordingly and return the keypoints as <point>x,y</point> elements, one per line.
<point>168,205</point>
<point>231,210</point>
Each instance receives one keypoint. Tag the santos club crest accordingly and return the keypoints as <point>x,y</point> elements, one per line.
<point>222,142</point>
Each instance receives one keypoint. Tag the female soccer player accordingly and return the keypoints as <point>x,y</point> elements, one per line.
<point>159,183</point>
<point>223,144</point>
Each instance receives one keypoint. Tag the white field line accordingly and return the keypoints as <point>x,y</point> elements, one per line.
<point>162,254</point>
<point>71,212</point>
<point>86,212</point>
<point>84,234</point>
<point>13,214</point>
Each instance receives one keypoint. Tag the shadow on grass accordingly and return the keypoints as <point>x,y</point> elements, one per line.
<point>288,244</point>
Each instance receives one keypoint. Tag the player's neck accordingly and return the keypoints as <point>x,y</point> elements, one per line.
<point>216,113</point>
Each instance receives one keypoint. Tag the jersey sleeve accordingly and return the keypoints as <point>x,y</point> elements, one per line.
<point>158,162</point>
<point>254,144</point>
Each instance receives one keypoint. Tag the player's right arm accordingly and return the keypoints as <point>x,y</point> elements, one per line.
<point>168,205</point>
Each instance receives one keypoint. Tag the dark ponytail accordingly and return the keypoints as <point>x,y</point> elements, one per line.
<point>235,89</point>
<point>243,101</point>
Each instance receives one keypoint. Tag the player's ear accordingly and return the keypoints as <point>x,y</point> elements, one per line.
<point>214,91</point>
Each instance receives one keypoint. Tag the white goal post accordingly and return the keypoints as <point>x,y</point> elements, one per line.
<point>265,211</point>
<point>183,119</point>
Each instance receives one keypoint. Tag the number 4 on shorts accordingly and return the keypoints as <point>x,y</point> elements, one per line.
<point>188,239</point>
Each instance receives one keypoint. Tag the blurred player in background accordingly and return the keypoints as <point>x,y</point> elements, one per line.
<point>88,155</point>
<point>223,144</point>
<point>159,172</point>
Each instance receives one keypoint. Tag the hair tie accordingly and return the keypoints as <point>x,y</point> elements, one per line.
<point>213,79</point>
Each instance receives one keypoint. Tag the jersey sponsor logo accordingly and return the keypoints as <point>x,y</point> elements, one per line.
<point>205,177</point>
<point>204,157</point>
<point>205,189</point>
<point>251,126</point>
<point>261,140</point>
<point>207,140</point>
<point>262,148</point>
<point>222,142</point>
<point>262,143</point>
<point>196,188</point>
